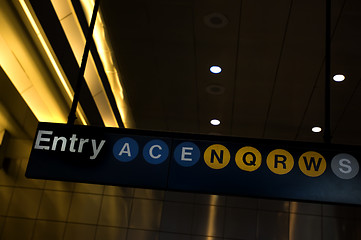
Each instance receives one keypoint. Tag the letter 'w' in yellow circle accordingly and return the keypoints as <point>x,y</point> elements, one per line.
<point>216,156</point>
<point>312,164</point>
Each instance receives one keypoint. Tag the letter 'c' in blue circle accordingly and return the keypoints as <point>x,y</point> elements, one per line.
<point>125,149</point>
<point>155,151</point>
<point>187,154</point>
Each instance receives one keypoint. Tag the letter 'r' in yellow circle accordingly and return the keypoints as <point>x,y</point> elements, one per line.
<point>312,164</point>
<point>280,161</point>
<point>248,159</point>
<point>216,156</point>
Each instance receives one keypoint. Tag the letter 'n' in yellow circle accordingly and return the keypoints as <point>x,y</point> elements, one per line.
<point>312,164</point>
<point>280,161</point>
<point>248,159</point>
<point>216,156</point>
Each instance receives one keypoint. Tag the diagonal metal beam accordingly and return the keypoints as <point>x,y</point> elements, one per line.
<point>89,41</point>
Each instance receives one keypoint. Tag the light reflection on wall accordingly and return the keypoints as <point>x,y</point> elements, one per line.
<point>212,217</point>
<point>293,223</point>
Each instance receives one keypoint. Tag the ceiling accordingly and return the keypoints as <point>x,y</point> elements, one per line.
<point>272,55</point>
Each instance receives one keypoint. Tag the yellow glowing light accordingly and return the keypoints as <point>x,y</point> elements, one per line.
<point>59,73</point>
<point>106,58</point>
<point>22,63</point>
<point>76,39</point>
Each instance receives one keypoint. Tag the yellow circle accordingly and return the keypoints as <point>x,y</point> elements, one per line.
<point>248,159</point>
<point>312,164</point>
<point>280,161</point>
<point>216,156</point>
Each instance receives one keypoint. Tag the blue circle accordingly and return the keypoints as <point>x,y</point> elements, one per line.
<point>155,151</point>
<point>125,149</point>
<point>187,154</point>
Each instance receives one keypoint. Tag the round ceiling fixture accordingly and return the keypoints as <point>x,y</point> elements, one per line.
<point>215,122</point>
<point>215,89</point>
<point>338,78</point>
<point>215,69</point>
<point>316,129</point>
<point>215,20</point>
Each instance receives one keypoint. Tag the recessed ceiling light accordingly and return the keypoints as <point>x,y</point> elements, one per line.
<point>215,20</point>
<point>215,69</point>
<point>338,78</point>
<point>215,122</point>
<point>215,89</point>
<point>316,129</point>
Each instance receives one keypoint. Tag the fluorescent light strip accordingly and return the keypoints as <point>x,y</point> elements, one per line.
<point>51,58</point>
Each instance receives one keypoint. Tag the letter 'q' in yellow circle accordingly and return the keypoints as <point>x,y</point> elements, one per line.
<point>216,156</point>
<point>248,159</point>
<point>280,161</point>
<point>312,164</point>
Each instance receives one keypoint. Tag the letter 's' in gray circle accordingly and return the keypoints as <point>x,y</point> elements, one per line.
<point>344,166</point>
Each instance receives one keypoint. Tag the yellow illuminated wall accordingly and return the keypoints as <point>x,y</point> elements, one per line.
<point>106,57</point>
<point>72,29</point>
<point>26,69</point>
<point>30,63</point>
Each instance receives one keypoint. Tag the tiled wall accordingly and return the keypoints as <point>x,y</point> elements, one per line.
<point>42,209</point>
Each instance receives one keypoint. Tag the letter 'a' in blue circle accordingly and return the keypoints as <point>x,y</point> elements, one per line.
<point>155,151</point>
<point>187,154</point>
<point>125,149</point>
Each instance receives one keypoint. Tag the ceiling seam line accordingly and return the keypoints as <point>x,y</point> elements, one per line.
<point>69,14</point>
<point>347,105</point>
<point>309,100</point>
<point>357,85</point>
<point>318,75</point>
<point>235,68</point>
<point>277,69</point>
<point>158,80</point>
<point>196,69</point>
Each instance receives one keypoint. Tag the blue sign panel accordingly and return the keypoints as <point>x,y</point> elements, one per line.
<point>97,155</point>
<point>197,163</point>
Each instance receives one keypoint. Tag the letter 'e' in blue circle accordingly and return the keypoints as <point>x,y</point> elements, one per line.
<point>186,154</point>
<point>155,151</point>
<point>125,149</point>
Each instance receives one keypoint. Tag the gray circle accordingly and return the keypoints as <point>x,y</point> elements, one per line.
<point>344,166</point>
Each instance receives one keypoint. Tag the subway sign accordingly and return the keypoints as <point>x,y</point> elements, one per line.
<point>197,163</point>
